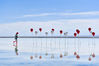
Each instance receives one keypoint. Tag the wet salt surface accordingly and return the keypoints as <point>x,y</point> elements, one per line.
<point>8,58</point>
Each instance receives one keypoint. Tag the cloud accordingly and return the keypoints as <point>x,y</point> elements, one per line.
<point>36,15</point>
<point>61,14</point>
<point>82,13</point>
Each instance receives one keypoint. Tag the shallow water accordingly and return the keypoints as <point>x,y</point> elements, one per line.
<point>9,58</point>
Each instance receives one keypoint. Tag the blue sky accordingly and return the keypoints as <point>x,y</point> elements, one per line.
<point>47,10</point>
